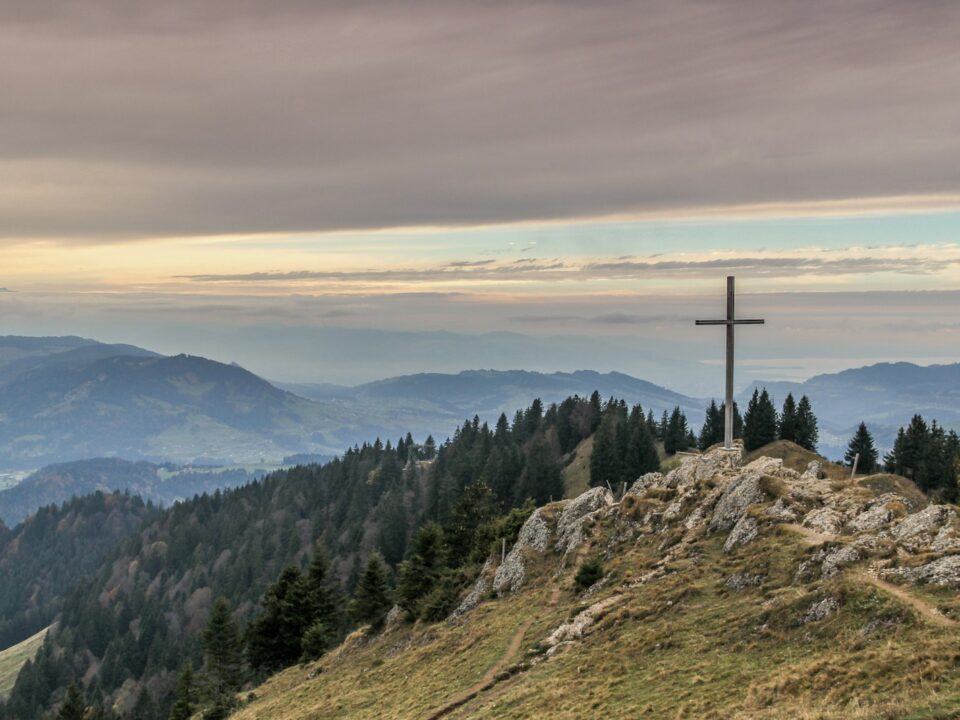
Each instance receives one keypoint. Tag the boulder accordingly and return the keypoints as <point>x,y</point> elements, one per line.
<point>534,535</point>
<point>824,520</point>
<point>820,610</point>
<point>917,531</point>
<point>943,571</point>
<point>813,472</point>
<point>837,559</point>
<point>742,492</point>
<point>743,532</point>
<point>577,513</point>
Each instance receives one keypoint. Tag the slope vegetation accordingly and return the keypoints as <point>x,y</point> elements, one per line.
<point>711,605</point>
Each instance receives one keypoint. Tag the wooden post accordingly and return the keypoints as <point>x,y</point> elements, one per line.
<point>503,550</point>
<point>856,461</point>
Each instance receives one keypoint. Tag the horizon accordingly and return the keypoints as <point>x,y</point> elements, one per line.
<point>390,175</point>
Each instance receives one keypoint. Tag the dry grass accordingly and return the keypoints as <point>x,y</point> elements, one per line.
<point>13,658</point>
<point>681,646</point>
<point>576,475</point>
<point>797,458</point>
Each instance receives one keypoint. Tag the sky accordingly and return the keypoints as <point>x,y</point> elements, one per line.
<point>338,192</point>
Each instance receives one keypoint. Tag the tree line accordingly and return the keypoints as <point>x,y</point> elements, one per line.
<point>762,424</point>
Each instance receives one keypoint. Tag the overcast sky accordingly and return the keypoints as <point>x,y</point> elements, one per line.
<point>230,177</point>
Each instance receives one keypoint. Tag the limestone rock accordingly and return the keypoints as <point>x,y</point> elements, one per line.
<point>743,532</point>
<point>577,514</point>
<point>742,492</point>
<point>649,480</point>
<point>872,519</point>
<point>813,471</point>
<point>476,593</point>
<point>534,535</point>
<point>782,511</point>
<point>837,559</point>
<point>575,629</point>
<point>820,610</point>
<point>825,520</point>
<point>741,581</point>
<point>946,541</point>
<point>943,571</point>
<point>918,530</point>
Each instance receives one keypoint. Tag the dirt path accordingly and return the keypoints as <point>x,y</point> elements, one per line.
<point>924,608</point>
<point>489,678</point>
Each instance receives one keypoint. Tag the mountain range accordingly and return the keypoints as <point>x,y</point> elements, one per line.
<point>885,396</point>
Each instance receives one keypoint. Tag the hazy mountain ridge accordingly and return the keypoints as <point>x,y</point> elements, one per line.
<point>884,395</point>
<point>160,484</point>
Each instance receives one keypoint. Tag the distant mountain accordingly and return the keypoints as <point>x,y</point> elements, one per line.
<point>160,484</point>
<point>19,355</point>
<point>885,396</point>
<point>487,393</point>
<point>180,408</point>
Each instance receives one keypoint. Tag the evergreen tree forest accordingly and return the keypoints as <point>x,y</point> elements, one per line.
<point>624,446</point>
<point>224,588</point>
<point>928,455</point>
<point>762,424</point>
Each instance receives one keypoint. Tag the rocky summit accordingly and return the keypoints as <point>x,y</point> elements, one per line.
<point>723,589</point>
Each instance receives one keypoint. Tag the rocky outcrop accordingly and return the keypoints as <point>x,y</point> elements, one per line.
<point>479,589</point>
<point>835,560</point>
<point>918,531</point>
<point>534,536</point>
<point>943,571</point>
<point>739,494</point>
<point>743,532</point>
<point>824,520</point>
<point>577,515</point>
<point>576,628</point>
<point>820,610</point>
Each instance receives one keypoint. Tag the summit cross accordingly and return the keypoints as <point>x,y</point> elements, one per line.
<point>729,323</point>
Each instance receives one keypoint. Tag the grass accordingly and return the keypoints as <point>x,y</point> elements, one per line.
<point>681,646</point>
<point>797,458</point>
<point>14,657</point>
<point>576,474</point>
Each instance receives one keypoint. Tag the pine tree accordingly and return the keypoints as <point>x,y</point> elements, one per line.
<point>222,658</point>
<point>760,422</point>
<point>372,599</point>
<point>808,436</point>
<point>862,444</point>
<point>185,695</point>
<point>74,707</point>
<point>642,456</point>
<point>788,419</point>
<point>662,428</point>
<point>274,637</point>
<point>421,573</point>
<point>676,437</point>
<point>711,432</point>
<point>541,479</point>
<point>737,420</point>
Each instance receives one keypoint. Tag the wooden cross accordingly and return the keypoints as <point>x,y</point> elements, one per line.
<point>729,323</point>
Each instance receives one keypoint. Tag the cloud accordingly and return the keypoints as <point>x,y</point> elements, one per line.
<point>233,116</point>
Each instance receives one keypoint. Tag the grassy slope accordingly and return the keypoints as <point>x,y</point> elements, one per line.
<point>576,475</point>
<point>13,658</point>
<point>683,646</point>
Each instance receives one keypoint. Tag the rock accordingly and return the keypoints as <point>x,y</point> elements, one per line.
<point>782,511</point>
<point>765,466</point>
<point>917,531</point>
<point>743,581</point>
<point>943,571</point>
<point>576,514</point>
<point>873,519</point>
<point>743,532</point>
<point>476,593</point>
<point>742,492</point>
<point>575,629</point>
<point>534,535</point>
<point>813,472</point>
<point>825,520</point>
<point>837,559</point>
<point>649,480</point>
<point>820,610</point>
<point>698,468</point>
<point>393,619</point>
<point>946,541</point>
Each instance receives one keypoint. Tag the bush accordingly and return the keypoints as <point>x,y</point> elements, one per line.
<point>589,574</point>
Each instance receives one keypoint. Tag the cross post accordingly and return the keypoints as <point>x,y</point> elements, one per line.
<point>729,323</point>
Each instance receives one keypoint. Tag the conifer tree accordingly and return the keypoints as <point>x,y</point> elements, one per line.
<point>275,636</point>
<point>541,479</point>
<point>326,599</point>
<point>862,444</point>
<point>372,599</point>
<point>642,456</point>
<point>596,411</point>
<point>74,707</point>
<point>760,422</point>
<point>788,419</point>
<point>711,432</point>
<point>662,428</point>
<point>185,694</point>
<point>676,437</point>
<point>808,436</point>
<point>222,659</point>
<point>421,573</point>
<point>737,420</point>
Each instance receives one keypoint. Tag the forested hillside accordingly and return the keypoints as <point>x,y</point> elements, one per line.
<point>42,558</point>
<point>161,484</point>
<point>125,633</point>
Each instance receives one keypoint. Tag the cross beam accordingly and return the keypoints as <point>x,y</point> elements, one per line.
<point>729,322</point>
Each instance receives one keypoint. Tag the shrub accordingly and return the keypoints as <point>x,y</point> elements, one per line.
<point>590,572</point>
